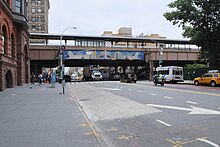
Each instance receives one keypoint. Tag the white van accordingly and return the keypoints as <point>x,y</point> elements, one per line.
<point>171,74</point>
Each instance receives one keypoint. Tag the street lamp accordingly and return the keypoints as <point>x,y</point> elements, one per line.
<point>62,48</point>
<point>160,52</point>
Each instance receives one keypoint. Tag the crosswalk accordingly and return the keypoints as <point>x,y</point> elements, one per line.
<point>91,82</point>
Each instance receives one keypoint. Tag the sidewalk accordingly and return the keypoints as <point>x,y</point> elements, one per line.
<point>41,117</point>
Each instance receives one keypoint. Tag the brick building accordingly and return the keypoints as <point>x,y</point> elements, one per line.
<point>14,44</point>
<point>38,11</point>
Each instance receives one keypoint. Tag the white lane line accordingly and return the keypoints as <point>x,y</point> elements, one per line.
<point>139,91</point>
<point>153,94</point>
<point>167,97</point>
<point>121,87</point>
<point>162,122</point>
<point>68,83</point>
<point>209,142</point>
<point>191,102</point>
<point>129,89</point>
<point>13,94</point>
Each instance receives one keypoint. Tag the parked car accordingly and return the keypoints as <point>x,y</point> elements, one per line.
<point>210,78</point>
<point>128,78</point>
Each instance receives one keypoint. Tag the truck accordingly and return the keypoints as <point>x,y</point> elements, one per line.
<point>91,72</point>
<point>105,71</point>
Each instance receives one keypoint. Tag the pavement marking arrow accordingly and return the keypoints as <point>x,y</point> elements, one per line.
<point>193,110</point>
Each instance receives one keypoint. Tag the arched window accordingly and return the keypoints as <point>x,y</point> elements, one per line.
<point>4,40</point>
<point>12,46</point>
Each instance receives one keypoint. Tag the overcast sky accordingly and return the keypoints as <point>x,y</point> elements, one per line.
<point>93,17</point>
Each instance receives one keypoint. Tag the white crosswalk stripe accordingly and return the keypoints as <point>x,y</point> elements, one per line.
<point>97,82</point>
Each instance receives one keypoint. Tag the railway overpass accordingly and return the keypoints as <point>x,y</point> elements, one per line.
<point>111,51</point>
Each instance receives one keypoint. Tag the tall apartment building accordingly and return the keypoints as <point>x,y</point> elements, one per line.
<point>14,44</point>
<point>38,11</point>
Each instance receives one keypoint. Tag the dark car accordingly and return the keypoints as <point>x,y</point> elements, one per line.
<point>67,78</point>
<point>128,78</point>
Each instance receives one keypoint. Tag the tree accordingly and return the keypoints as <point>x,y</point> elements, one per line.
<point>200,20</point>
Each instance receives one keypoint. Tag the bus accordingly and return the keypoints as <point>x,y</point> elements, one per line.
<point>172,74</point>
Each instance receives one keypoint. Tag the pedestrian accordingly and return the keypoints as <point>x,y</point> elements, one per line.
<point>53,79</point>
<point>32,78</point>
<point>40,78</point>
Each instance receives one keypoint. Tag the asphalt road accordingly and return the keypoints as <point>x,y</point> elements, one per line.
<point>144,115</point>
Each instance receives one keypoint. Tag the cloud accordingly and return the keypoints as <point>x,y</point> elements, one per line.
<point>93,17</point>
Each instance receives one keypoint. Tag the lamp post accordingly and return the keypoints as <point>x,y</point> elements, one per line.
<point>160,52</point>
<point>62,48</point>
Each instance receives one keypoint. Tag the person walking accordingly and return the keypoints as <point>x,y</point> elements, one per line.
<point>53,79</point>
<point>40,79</point>
<point>32,78</point>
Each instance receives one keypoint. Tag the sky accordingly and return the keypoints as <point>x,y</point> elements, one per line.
<point>93,17</point>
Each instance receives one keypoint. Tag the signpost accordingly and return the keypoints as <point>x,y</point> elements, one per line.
<point>62,49</point>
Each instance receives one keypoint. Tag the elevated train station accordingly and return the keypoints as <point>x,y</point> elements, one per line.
<point>112,51</point>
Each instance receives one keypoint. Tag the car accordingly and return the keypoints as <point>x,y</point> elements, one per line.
<point>210,78</point>
<point>67,78</point>
<point>74,77</point>
<point>128,78</point>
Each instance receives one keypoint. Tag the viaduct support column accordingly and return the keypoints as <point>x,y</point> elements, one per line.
<point>151,63</point>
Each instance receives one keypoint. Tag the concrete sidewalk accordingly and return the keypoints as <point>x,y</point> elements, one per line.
<point>41,117</point>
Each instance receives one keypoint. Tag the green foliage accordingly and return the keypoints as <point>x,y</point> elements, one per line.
<point>200,20</point>
<point>195,66</point>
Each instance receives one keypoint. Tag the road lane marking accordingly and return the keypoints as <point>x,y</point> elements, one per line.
<point>207,141</point>
<point>193,110</point>
<point>180,90</point>
<point>111,89</point>
<point>153,94</point>
<point>164,123</point>
<point>191,102</point>
<point>167,97</point>
<point>139,91</point>
<point>129,89</point>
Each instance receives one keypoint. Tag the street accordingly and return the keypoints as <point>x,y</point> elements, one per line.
<point>144,115</point>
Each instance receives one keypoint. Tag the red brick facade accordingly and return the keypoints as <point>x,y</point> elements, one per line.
<point>14,49</point>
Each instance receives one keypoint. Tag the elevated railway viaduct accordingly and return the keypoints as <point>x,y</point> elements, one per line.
<point>110,51</point>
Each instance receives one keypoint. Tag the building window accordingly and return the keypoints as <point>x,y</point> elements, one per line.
<point>33,10</point>
<point>33,19</point>
<point>33,27</point>
<point>39,28</point>
<point>39,10</point>
<point>39,1</point>
<point>33,1</point>
<point>12,46</point>
<point>4,40</point>
<point>39,19</point>
<point>18,6</point>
